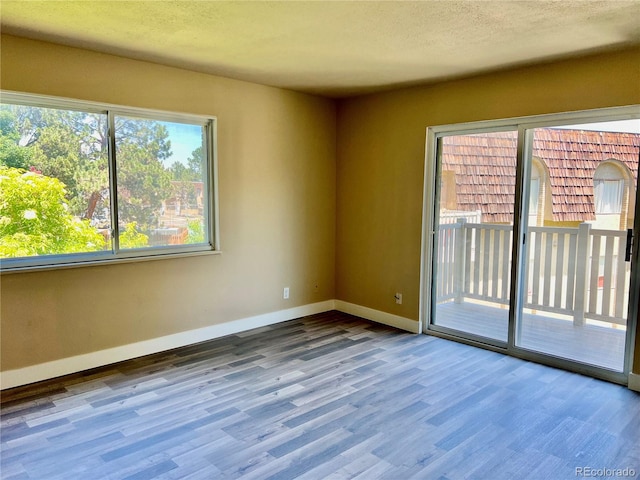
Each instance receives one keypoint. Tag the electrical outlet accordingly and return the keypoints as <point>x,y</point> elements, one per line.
<point>398,297</point>
<point>285,293</point>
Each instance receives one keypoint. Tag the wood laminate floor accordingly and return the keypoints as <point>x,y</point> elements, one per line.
<point>324,397</point>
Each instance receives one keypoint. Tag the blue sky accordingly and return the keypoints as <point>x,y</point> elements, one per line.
<point>184,140</point>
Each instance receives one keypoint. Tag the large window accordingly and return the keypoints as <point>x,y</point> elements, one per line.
<point>81,183</point>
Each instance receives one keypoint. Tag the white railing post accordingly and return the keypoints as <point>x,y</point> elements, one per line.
<point>582,266</point>
<point>459,260</point>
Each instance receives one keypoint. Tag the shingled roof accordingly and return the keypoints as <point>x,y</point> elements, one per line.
<point>484,166</point>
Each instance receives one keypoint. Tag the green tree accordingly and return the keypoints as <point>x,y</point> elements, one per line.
<point>73,147</point>
<point>143,181</point>
<point>193,171</point>
<point>70,146</point>
<point>73,157</point>
<point>196,162</point>
<point>184,176</point>
<point>132,238</point>
<point>196,231</point>
<point>11,153</point>
<point>180,172</point>
<point>35,219</point>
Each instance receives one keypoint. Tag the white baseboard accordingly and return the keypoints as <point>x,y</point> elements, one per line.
<point>78,363</point>
<point>378,316</point>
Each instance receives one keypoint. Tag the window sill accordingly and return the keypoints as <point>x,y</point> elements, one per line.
<point>105,261</point>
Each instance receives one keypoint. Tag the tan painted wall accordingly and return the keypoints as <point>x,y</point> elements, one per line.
<point>277,197</point>
<point>286,212</point>
<point>381,152</point>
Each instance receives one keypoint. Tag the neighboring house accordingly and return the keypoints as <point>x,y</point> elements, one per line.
<point>576,176</point>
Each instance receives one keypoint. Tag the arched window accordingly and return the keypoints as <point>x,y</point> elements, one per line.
<point>611,182</point>
<point>608,188</point>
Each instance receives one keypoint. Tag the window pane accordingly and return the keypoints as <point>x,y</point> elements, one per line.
<point>608,195</point>
<point>54,182</point>
<point>474,223</point>
<point>161,183</point>
<point>57,188</point>
<point>534,196</point>
<point>576,281</point>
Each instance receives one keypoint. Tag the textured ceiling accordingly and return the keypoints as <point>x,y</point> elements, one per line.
<point>332,48</point>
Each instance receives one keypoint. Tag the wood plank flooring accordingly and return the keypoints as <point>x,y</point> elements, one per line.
<point>328,396</point>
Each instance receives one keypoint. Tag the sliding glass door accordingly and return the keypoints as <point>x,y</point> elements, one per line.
<point>474,233</point>
<point>531,238</point>
<point>577,262</point>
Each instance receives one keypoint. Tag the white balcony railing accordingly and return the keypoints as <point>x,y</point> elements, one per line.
<point>579,272</point>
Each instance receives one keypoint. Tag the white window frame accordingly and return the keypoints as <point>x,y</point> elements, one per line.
<point>115,255</point>
<point>604,191</point>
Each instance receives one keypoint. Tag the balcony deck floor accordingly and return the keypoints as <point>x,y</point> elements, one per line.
<point>591,344</point>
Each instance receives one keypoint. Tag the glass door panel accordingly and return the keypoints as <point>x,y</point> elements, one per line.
<point>473,233</point>
<point>576,276</point>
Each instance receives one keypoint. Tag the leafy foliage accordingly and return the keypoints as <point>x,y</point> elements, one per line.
<point>35,219</point>
<point>11,153</point>
<point>196,231</point>
<point>132,238</point>
<point>70,147</point>
<point>193,171</point>
<point>184,177</point>
<point>73,147</point>
<point>143,181</point>
<point>55,180</point>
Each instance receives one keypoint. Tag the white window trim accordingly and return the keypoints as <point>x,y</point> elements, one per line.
<point>49,262</point>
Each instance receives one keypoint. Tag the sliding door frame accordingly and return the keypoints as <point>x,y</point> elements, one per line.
<point>524,126</point>
<point>436,201</point>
